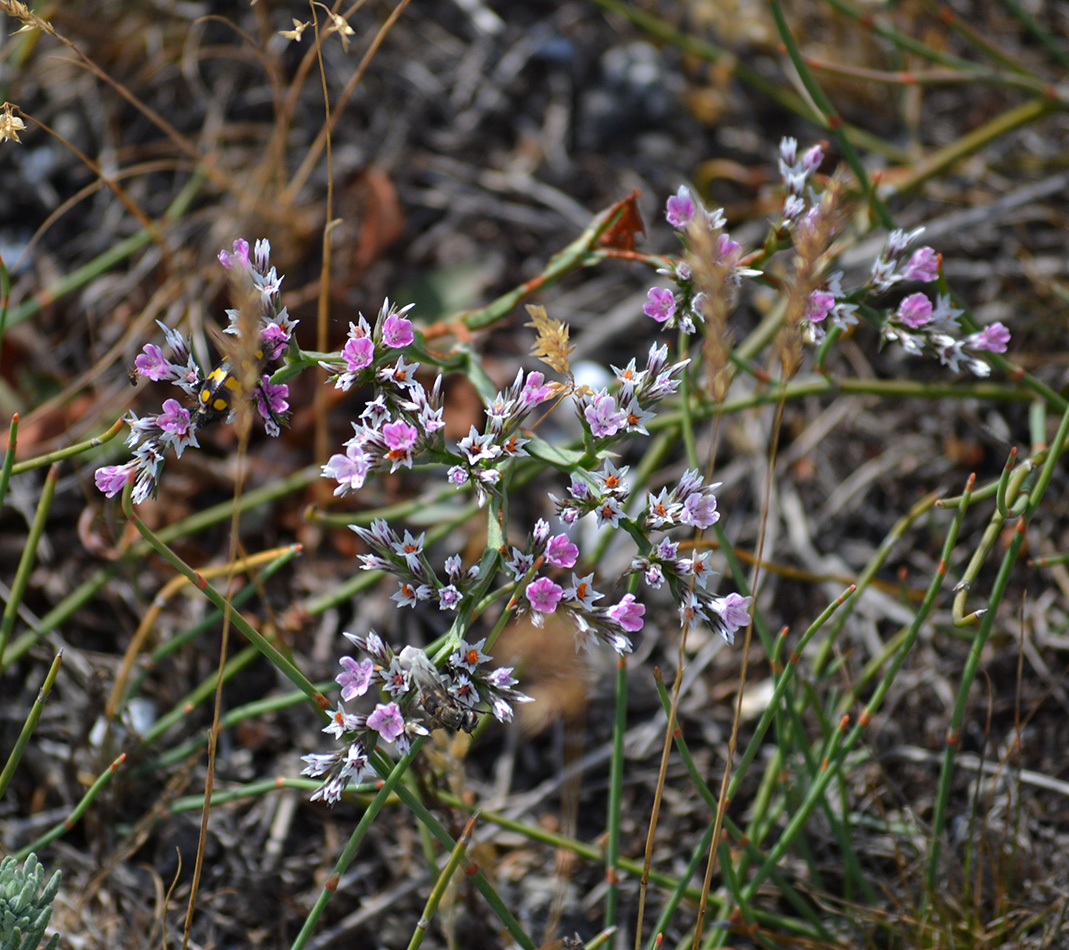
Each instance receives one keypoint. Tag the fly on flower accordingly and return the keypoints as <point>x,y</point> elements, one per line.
<point>441,708</point>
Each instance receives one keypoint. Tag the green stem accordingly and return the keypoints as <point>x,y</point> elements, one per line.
<point>26,561</point>
<point>30,724</point>
<point>616,782</point>
<point>75,816</point>
<point>832,120</point>
<point>9,457</point>
<point>243,626</point>
<point>109,258</point>
<point>42,460</point>
<point>972,663</point>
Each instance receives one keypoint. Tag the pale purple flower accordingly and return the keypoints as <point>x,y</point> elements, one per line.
<point>449,597</point>
<point>578,489</point>
<point>660,305</point>
<point>628,613</point>
<point>239,256</point>
<point>349,470</point>
<point>992,338</point>
<point>111,479</point>
<point>923,265</point>
<point>699,510</point>
<point>536,389</point>
<point>666,550</point>
<point>680,208</point>
<point>819,305</point>
<point>457,476</point>
<point>387,721</point>
<point>915,311</point>
<point>544,595</point>
<point>501,678</point>
<point>355,679</point>
<point>734,609</point>
<point>603,416</point>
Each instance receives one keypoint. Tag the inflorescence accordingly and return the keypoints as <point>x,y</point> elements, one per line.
<point>921,326</point>
<point>419,695</point>
<point>544,572</point>
<point>176,427</point>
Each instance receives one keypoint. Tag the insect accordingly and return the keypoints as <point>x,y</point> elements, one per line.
<point>443,709</point>
<point>215,397</point>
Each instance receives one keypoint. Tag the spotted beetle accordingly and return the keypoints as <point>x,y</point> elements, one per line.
<point>217,391</point>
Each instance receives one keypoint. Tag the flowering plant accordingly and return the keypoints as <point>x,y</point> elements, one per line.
<point>176,427</point>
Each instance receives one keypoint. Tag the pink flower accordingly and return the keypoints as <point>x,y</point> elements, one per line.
<point>151,364</point>
<point>561,552</point>
<point>111,479</point>
<point>680,208</point>
<point>819,306</point>
<point>544,595</point>
<point>349,470</point>
<point>992,338</point>
<point>272,399</point>
<point>628,613</point>
<point>915,311</point>
<point>922,265</point>
<point>239,257</point>
<point>387,721</point>
<point>356,679</point>
<point>174,419</point>
<point>399,436</point>
<point>661,304</point>
<point>358,353</point>
<point>535,390</point>
<point>397,331</point>
<point>274,340</point>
